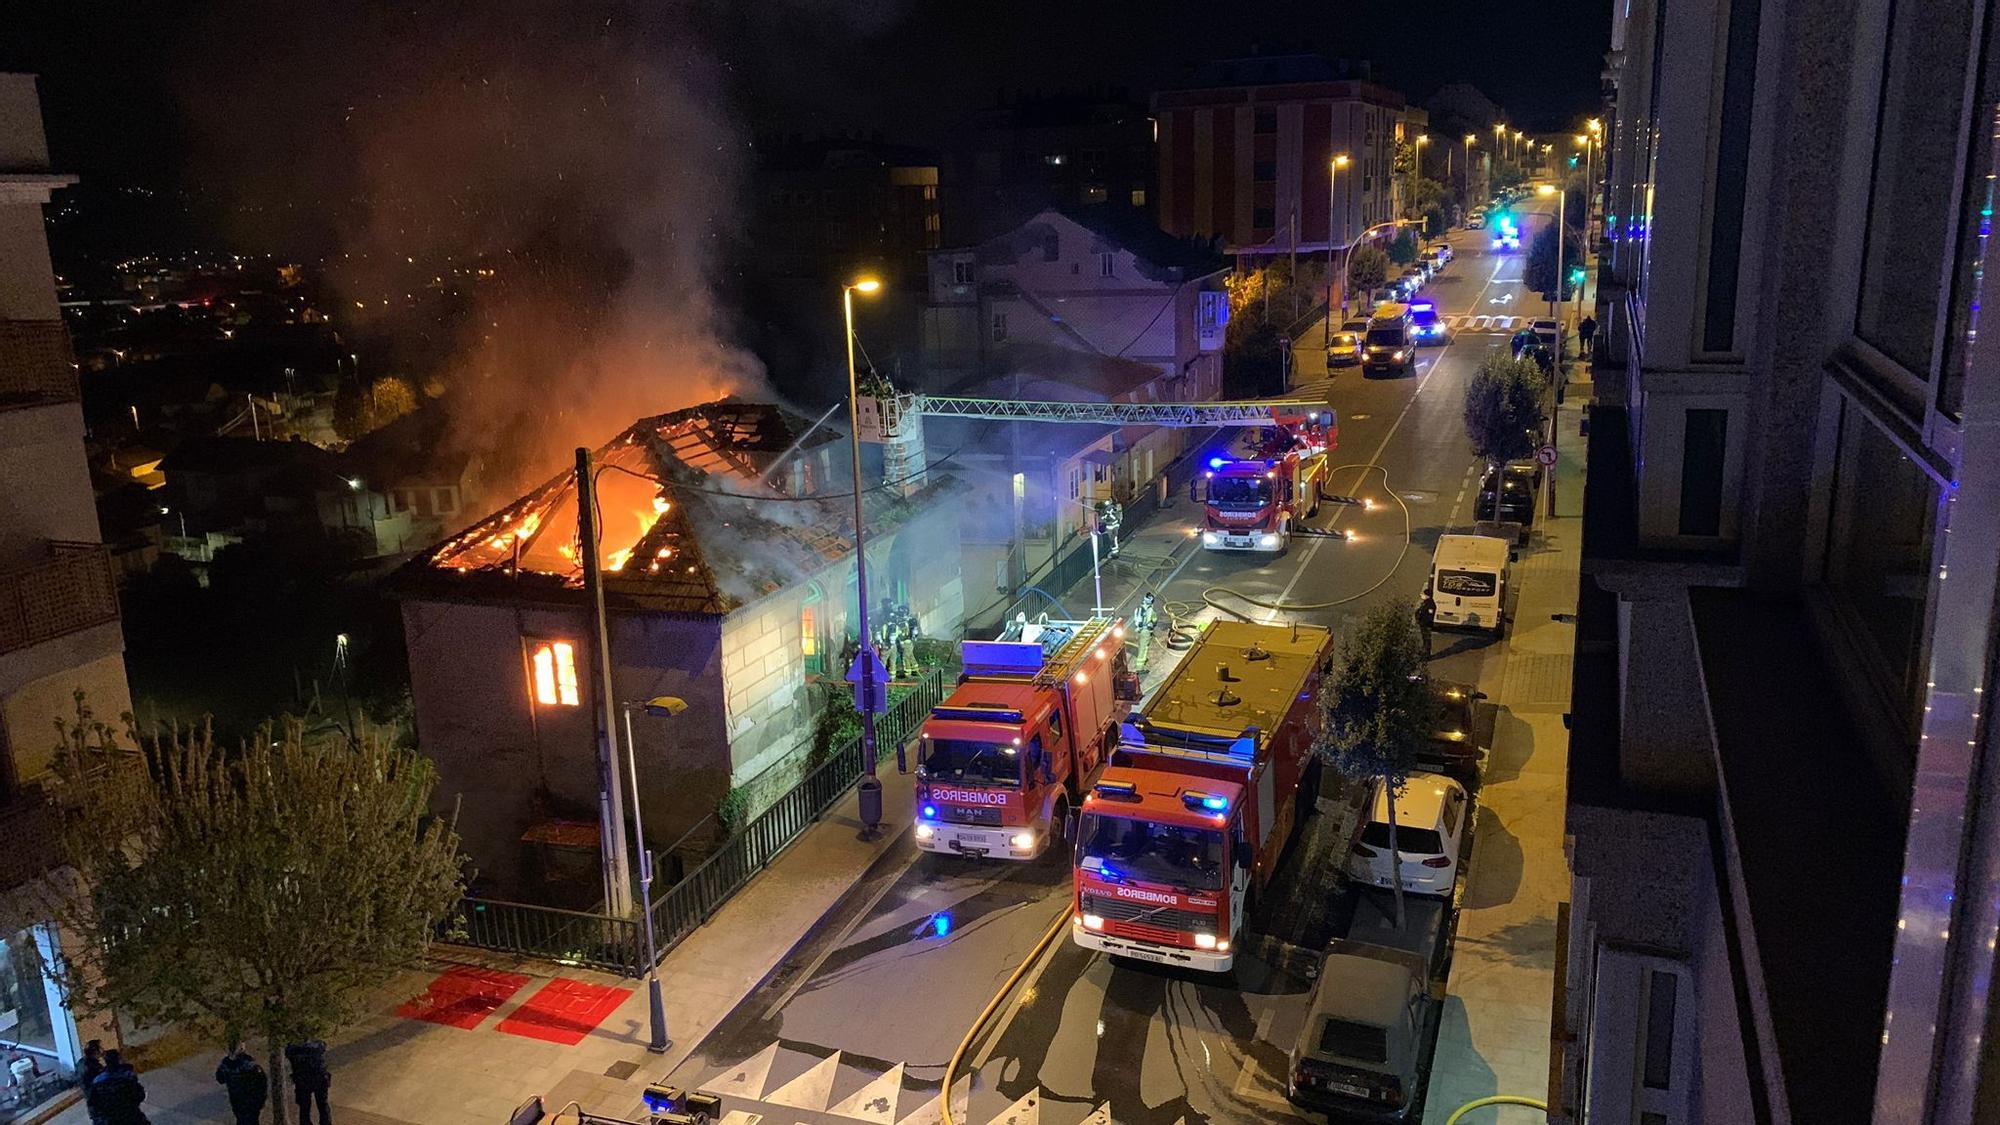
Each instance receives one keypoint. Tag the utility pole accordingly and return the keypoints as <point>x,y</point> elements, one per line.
<point>610,795</point>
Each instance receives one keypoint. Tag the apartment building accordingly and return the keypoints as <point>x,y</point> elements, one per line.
<point>1246,153</point>
<point>59,627</point>
<point>1785,839</point>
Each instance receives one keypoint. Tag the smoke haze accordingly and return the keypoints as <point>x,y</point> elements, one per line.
<point>585,153</point>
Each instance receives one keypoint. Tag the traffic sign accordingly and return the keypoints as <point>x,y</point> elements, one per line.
<point>1546,455</point>
<point>878,679</point>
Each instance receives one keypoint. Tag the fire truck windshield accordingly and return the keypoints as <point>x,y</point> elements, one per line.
<point>965,762</point>
<point>1120,848</point>
<point>1239,492</point>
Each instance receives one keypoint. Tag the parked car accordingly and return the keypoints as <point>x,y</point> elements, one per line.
<point>1432,812</point>
<point>1453,748</point>
<point>1518,490</point>
<point>1344,350</point>
<point>1549,332</point>
<point>1444,251</point>
<point>1354,324</point>
<point>1476,220</point>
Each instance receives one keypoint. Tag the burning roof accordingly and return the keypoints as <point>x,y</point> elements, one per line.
<point>702,510</point>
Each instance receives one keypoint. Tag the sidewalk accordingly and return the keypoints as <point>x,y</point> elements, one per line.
<point>392,1070</point>
<point>1495,1036</point>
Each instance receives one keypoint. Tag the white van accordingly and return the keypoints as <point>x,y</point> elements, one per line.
<point>1468,586</point>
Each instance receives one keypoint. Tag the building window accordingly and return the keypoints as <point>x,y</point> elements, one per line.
<point>1266,121</point>
<point>444,501</point>
<point>1704,452</point>
<point>1054,159</point>
<point>1975,224</point>
<point>1107,265</point>
<point>1878,555</point>
<point>1138,197</point>
<point>961,273</point>
<point>1265,171</point>
<point>1263,218</point>
<point>1732,174</point>
<point>554,667</point>
<point>1910,217</point>
<point>1051,246</point>
<point>1657,1070</point>
<point>1095,193</point>
<point>999,327</point>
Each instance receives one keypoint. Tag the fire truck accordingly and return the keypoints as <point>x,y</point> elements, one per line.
<point>1200,798</point>
<point>1003,760</point>
<point>1255,501</point>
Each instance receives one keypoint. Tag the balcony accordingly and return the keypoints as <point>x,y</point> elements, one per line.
<point>35,364</point>
<point>69,589</point>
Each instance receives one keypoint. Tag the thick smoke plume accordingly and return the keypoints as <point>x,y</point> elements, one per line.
<point>583,153</point>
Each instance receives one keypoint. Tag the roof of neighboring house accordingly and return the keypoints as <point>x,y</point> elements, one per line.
<point>690,523</point>
<point>412,450</point>
<point>1130,228</point>
<point>228,455</point>
<point>1310,76</point>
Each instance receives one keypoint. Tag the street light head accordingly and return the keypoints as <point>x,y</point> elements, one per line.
<point>1583,138</point>
<point>1469,137</point>
<point>1595,125</point>
<point>1340,161</point>
<point>866,285</point>
<point>665,706</point>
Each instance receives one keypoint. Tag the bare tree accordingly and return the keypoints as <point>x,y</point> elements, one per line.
<point>263,889</point>
<point>1377,712</point>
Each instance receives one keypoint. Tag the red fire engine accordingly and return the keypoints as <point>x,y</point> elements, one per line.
<point>1200,797</point>
<point>1256,500</point>
<point>1002,761</point>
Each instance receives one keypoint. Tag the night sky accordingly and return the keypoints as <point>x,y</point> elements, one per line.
<point>154,91</point>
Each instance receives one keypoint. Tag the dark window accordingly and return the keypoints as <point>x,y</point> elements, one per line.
<point>1051,246</point>
<point>1349,1040</point>
<point>1265,171</point>
<point>1732,171</point>
<point>999,327</point>
<point>1878,554</point>
<point>1974,224</point>
<point>1263,218</point>
<point>1267,121</point>
<point>1909,208</point>
<point>1659,1062</point>
<point>1704,449</point>
<point>1409,841</point>
<point>961,273</point>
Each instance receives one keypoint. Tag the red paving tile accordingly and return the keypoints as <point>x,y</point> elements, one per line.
<point>463,996</point>
<point>564,1011</point>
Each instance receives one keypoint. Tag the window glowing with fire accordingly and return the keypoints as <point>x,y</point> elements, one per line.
<point>554,668</point>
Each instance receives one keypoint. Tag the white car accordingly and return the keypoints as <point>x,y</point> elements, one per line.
<point>1432,814</point>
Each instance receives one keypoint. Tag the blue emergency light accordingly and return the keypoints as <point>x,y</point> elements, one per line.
<point>1217,462</point>
<point>1210,802</point>
<point>941,924</point>
<point>930,812</point>
<point>1422,306</point>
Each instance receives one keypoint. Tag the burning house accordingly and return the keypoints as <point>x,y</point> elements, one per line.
<point>729,582</point>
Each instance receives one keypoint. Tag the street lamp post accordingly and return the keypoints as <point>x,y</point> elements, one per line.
<point>1466,183</point>
<point>1555,384</point>
<point>661,706</point>
<point>1417,173</point>
<point>1584,139</point>
<point>869,790</point>
<point>1332,174</point>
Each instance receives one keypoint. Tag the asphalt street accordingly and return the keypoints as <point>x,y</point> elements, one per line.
<point>858,1022</point>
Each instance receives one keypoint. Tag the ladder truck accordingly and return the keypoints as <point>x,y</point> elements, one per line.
<point>1257,494</point>
<point>1003,760</point>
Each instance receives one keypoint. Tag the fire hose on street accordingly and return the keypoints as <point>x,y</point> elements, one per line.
<point>1210,594</point>
<point>986,1015</point>
<point>1495,1099</point>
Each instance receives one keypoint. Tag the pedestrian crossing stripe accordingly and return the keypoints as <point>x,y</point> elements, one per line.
<point>746,1101</point>
<point>1484,323</point>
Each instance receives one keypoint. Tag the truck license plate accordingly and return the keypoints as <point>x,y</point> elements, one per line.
<point>1239,542</point>
<point>1350,1091</point>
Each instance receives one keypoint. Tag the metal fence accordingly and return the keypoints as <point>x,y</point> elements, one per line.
<point>613,944</point>
<point>569,936</point>
<point>694,899</point>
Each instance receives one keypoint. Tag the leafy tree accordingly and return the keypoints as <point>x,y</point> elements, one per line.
<point>1425,195</point>
<point>1434,222</point>
<point>1540,274</point>
<point>1369,269</point>
<point>263,890</point>
<point>1256,365</point>
<point>358,410</point>
<point>1503,412</point>
<point>1376,711</point>
<point>1403,250</point>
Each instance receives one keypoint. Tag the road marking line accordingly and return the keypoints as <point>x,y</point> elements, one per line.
<point>1374,458</point>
